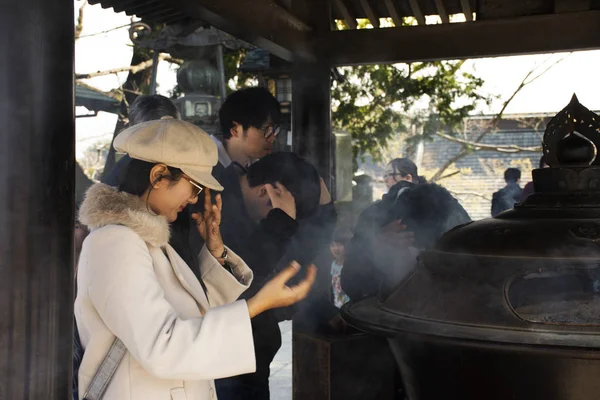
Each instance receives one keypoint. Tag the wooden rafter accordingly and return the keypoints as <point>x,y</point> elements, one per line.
<point>391,8</point>
<point>349,20</point>
<point>441,9</point>
<point>466,7</point>
<point>416,9</point>
<point>369,12</point>
<point>118,7</point>
<point>562,6</point>
<point>562,32</point>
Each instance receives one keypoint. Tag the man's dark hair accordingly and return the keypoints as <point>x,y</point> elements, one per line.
<point>248,107</point>
<point>512,175</point>
<point>542,162</point>
<point>295,173</point>
<point>404,167</point>
<point>151,107</point>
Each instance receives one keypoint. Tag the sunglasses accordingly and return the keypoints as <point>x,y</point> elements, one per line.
<point>197,188</point>
<point>271,130</point>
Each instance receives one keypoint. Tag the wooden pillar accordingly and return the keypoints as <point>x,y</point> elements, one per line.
<point>37,155</point>
<point>311,117</point>
<point>311,96</point>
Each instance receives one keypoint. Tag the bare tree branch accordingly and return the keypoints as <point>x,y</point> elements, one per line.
<point>132,68</point>
<point>510,148</point>
<point>548,68</point>
<point>468,147</point>
<point>136,92</point>
<point>103,32</point>
<point>79,26</point>
<point>447,164</point>
<point>449,175</point>
<point>470,194</point>
<point>172,60</point>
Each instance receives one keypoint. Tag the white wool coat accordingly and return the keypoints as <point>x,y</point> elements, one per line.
<point>132,285</point>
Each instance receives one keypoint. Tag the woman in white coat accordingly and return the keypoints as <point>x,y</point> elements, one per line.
<point>180,333</point>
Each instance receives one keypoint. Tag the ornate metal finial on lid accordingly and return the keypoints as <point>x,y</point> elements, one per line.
<point>572,137</point>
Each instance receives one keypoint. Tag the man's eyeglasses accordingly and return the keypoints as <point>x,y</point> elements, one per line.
<point>390,174</point>
<point>271,130</point>
<point>197,189</point>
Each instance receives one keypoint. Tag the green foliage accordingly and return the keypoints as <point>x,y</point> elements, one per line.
<point>232,61</point>
<point>375,102</point>
<point>176,92</point>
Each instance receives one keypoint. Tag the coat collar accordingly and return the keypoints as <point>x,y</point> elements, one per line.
<point>105,205</point>
<point>392,194</point>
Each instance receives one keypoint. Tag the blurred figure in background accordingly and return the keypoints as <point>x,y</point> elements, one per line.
<point>528,189</point>
<point>505,198</point>
<point>399,170</point>
<point>390,233</point>
<point>340,240</point>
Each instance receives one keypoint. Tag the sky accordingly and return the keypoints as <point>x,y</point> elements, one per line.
<point>576,73</point>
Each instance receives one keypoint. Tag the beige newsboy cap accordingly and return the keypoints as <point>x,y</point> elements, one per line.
<point>175,143</point>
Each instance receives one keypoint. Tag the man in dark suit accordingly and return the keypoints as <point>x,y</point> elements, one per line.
<point>505,198</point>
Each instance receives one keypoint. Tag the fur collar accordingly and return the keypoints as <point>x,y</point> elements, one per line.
<point>105,205</point>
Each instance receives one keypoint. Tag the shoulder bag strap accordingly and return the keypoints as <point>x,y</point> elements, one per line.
<point>104,374</point>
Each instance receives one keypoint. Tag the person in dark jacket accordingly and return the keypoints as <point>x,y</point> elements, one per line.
<point>249,120</point>
<point>390,233</point>
<point>278,210</point>
<point>505,198</point>
<point>528,189</point>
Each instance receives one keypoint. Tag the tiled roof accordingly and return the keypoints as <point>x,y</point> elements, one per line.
<point>95,100</point>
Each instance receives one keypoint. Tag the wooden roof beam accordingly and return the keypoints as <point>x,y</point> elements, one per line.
<point>562,6</point>
<point>391,8</point>
<point>466,8</point>
<point>441,9</point>
<point>263,23</point>
<point>148,7</point>
<point>523,35</point>
<point>160,15</point>
<point>416,10</point>
<point>369,12</point>
<point>349,20</point>
<point>118,6</point>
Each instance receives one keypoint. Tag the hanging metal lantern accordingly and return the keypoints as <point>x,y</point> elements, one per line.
<point>198,77</point>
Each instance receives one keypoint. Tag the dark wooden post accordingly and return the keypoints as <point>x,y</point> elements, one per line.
<point>311,117</point>
<point>311,96</point>
<point>37,156</point>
